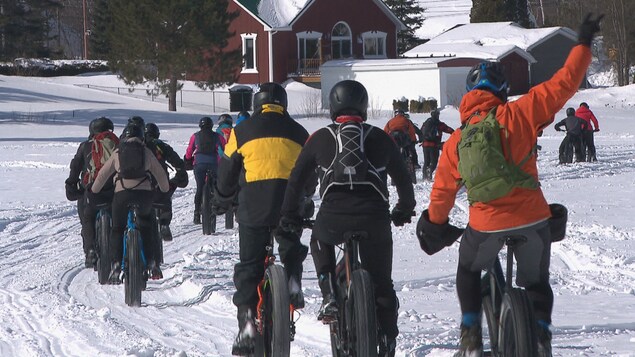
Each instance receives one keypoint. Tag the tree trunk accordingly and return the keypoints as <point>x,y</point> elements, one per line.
<point>172,94</point>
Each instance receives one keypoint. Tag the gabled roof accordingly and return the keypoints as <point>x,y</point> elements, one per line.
<point>277,14</point>
<point>491,40</point>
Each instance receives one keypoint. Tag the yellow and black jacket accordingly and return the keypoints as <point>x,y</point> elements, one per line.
<point>259,157</point>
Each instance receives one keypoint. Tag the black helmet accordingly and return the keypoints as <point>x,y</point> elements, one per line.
<point>270,93</point>
<point>152,131</point>
<point>100,125</point>
<point>348,97</point>
<point>137,120</point>
<point>225,119</point>
<point>435,113</point>
<point>489,76</point>
<point>133,131</point>
<point>205,122</point>
<point>570,112</point>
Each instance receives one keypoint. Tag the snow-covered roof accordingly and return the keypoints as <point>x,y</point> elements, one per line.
<point>376,64</point>
<point>487,40</point>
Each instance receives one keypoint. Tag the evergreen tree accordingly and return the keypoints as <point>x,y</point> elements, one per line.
<point>501,10</point>
<point>102,27</point>
<point>411,14</point>
<point>162,40</point>
<point>25,29</point>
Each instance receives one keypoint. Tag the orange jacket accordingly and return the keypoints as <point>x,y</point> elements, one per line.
<point>402,124</point>
<point>524,119</point>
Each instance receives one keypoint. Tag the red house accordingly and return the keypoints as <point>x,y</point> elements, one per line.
<point>284,39</point>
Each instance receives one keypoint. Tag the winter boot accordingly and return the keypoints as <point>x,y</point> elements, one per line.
<point>544,339</point>
<point>471,344</point>
<point>296,297</point>
<point>328,309</point>
<point>166,233</point>
<point>244,344</point>
<point>154,271</point>
<point>197,217</point>
<point>387,346</point>
<point>90,259</point>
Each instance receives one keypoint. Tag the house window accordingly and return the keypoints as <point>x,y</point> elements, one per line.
<point>249,53</point>
<point>309,51</point>
<point>374,44</point>
<point>341,41</point>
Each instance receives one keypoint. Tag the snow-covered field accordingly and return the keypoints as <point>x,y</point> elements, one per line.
<point>52,306</point>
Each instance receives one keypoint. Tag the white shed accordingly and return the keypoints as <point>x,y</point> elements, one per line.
<point>441,78</point>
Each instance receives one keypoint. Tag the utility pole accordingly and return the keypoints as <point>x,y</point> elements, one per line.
<point>85,31</point>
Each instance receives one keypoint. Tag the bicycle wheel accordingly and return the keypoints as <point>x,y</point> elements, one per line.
<point>517,335</point>
<point>102,229</point>
<point>133,279</point>
<point>207,217</point>
<point>276,317</point>
<point>361,318</point>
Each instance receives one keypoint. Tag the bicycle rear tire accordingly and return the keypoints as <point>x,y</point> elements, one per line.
<point>229,219</point>
<point>133,279</point>
<point>102,229</point>
<point>361,315</point>
<point>276,317</point>
<point>208,218</point>
<point>517,335</point>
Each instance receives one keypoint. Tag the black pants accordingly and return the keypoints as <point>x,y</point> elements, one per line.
<point>250,269</point>
<point>430,159</point>
<point>164,202</point>
<point>478,251</point>
<point>375,254</point>
<point>200,171</point>
<point>88,205</point>
<point>587,137</point>
<point>120,210</point>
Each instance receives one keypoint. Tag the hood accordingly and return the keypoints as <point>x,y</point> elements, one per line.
<point>477,101</point>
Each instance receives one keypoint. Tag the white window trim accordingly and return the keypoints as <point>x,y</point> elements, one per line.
<point>306,35</point>
<point>374,34</point>
<point>252,36</point>
<point>349,38</point>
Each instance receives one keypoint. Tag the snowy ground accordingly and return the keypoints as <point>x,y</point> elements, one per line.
<point>52,306</point>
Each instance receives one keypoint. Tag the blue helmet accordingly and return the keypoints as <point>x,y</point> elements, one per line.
<point>488,76</point>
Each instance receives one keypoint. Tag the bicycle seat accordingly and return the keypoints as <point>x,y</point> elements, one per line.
<point>513,240</point>
<point>355,235</point>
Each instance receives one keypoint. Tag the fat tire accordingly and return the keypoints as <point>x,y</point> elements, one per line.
<point>156,233</point>
<point>229,219</point>
<point>361,315</point>
<point>133,279</point>
<point>208,218</point>
<point>517,335</point>
<point>102,229</point>
<point>276,324</point>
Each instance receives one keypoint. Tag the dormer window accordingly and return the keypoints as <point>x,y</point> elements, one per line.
<point>341,41</point>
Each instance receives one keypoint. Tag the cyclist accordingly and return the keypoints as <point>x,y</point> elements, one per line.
<point>202,155</point>
<point>244,115</point>
<point>344,208</point>
<point>133,120</point>
<point>82,174</point>
<point>432,130</point>
<point>573,141</point>
<point>522,211</point>
<point>225,125</point>
<point>166,155</point>
<point>258,157</point>
<point>130,167</point>
<point>587,115</point>
<point>399,125</point>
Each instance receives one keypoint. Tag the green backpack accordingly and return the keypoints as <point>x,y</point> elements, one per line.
<point>484,171</point>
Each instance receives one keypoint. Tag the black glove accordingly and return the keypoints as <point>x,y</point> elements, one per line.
<point>220,203</point>
<point>596,130</point>
<point>180,179</point>
<point>588,29</point>
<point>434,237</point>
<point>291,225</point>
<point>307,207</point>
<point>73,190</point>
<point>400,217</point>
<point>189,164</point>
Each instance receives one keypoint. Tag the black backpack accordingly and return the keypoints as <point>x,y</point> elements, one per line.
<point>350,166</point>
<point>132,160</point>
<point>430,130</point>
<point>401,138</point>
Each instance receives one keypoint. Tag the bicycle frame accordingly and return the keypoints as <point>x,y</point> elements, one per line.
<point>132,224</point>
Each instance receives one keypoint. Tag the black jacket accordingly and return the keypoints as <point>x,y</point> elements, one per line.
<point>259,157</point>
<point>572,124</point>
<point>165,154</point>
<point>79,163</point>
<point>319,152</point>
